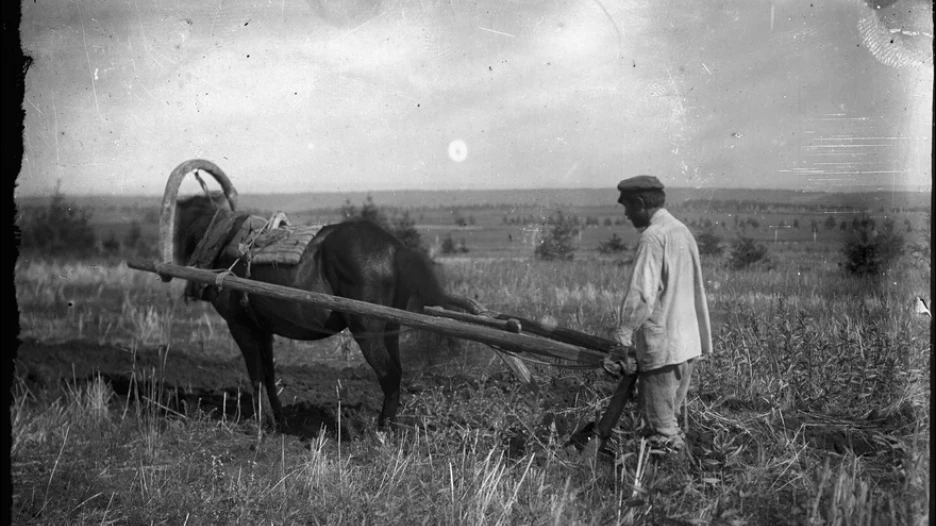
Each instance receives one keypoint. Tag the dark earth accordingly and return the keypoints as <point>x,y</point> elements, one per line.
<point>314,385</point>
<point>193,380</point>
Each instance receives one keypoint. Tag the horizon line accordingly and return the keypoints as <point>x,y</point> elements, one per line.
<point>859,189</point>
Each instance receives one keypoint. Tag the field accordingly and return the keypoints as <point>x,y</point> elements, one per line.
<point>131,406</point>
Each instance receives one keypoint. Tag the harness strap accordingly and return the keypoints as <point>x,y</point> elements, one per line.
<point>245,249</point>
<point>220,232</point>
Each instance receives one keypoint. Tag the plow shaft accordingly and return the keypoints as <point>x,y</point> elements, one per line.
<point>460,329</point>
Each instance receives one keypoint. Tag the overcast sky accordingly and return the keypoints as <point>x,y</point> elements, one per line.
<point>361,95</point>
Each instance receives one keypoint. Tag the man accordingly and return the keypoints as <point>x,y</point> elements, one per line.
<point>663,321</point>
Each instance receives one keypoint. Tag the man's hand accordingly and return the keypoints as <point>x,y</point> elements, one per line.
<point>621,360</point>
<point>620,353</point>
<point>621,336</point>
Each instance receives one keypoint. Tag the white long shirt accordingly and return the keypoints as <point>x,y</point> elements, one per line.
<point>664,313</point>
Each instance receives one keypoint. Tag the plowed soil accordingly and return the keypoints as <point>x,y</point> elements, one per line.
<point>314,386</point>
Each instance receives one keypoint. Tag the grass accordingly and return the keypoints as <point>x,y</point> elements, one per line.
<point>814,409</point>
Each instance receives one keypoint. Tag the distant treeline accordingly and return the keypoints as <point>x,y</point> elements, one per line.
<point>59,228</point>
<point>428,200</point>
<point>761,207</point>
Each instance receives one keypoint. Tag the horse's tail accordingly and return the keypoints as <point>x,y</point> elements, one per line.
<point>419,279</point>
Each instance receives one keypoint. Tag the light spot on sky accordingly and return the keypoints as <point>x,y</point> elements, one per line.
<point>458,150</point>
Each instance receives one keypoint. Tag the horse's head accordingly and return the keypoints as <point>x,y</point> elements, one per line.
<point>182,224</point>
<point>193,217</point>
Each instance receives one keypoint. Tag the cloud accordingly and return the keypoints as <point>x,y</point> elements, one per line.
<point>556,93</point>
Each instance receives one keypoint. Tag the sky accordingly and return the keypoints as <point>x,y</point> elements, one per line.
<point>365,95</point>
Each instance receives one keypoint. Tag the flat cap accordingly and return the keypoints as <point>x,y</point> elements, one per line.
<point>639,184</point>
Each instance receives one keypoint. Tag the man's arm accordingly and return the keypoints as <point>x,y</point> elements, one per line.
<point>645,286</point>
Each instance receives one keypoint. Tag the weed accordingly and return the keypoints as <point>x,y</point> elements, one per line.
<point>746,252</point>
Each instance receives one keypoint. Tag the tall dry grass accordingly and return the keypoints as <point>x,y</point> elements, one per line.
<point>814,409</point>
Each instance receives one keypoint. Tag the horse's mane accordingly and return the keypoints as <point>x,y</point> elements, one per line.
<point>193,216</point>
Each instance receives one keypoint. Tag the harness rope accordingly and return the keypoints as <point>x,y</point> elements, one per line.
<point>203,185</point>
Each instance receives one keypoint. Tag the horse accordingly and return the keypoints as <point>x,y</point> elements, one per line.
<point>353,259</point>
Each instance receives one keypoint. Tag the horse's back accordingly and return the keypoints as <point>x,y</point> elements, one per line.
<point>358,244</point>
<point>364,253</point>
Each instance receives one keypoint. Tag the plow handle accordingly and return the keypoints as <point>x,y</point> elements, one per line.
<point>562,334</point>
<point>615,407</point>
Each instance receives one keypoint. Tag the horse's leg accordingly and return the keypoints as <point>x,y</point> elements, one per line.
<point>370,336</point>
<point>392,344</point>
<point>256,346</point>
<point>269,379</point>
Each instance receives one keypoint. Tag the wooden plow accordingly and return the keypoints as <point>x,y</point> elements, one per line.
<point>508,333</point>
<point>505,333</point>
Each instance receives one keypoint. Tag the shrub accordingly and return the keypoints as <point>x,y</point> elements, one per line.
<point>612,246</point>
<point>111,245</point>
<point>134,236</point>
<point>58,230</point>
<point>746,252</point>
<point>448,245</point>
<point>557,242</point>
<point>370,212</point>
<point>348,211</point>
<point>869,251</point>
<point>403,227</point>
<point>710,244</point>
